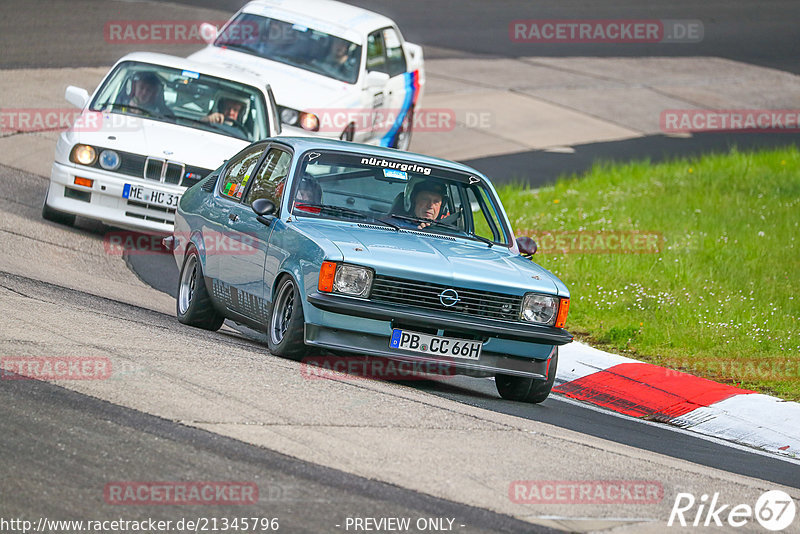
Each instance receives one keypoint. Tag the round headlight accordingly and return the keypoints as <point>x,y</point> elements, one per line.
<point>289,116</point>
<point>540,309</point>
<point>352,280</point>
<point>110,160</point>
<point>84,154</point>
<point>309,122</point>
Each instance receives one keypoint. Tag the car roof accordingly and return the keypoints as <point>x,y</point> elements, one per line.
<point>246,77</point>
<point>329,16</point>
<point>301,144</point>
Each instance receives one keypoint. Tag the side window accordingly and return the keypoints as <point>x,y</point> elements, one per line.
<point>484,219</point>
<point>271,177</point>
<point>395,57</point>
<point>238,172</point>
<point>376,59</point>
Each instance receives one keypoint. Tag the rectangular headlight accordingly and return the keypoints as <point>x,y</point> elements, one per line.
<point>352,280</point>
<point>541,309</point>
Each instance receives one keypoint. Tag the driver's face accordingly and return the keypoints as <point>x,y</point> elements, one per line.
<point>427,204</point>
<point>231,110</point>
<point>144,91</point>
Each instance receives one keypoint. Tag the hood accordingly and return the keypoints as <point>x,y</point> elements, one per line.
<point>436,259</point>
<point>159,139</point>
<point>293,87</point>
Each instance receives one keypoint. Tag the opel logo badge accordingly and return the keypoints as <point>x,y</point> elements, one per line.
<point>449,297</point>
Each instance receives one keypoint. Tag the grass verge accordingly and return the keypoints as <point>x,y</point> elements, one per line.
<point>713,285</point>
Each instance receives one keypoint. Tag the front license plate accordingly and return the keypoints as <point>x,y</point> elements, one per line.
<point>436,346</point>
<point>150,196</point>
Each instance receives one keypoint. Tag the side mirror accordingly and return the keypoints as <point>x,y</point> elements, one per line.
<point>265,210</point>
<point>376,79</point>
<point>76,96</point>
<point>208,32</point>
<point>527,246</point>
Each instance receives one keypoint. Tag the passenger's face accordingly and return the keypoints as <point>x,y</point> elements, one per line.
<point>427,204</point>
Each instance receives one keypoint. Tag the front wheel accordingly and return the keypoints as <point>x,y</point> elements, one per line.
<point>194,306</point>
<point>526,389</point>
<point>56,216</point>
<point>286,323</point>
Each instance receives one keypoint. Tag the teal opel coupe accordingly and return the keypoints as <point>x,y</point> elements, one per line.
<point>351,249</point>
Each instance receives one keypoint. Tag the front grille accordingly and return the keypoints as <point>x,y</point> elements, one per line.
<point>173,173</point>
<point>151,169</point>
<point>425,295</point>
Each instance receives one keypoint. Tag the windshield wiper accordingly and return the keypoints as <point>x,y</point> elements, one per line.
<point>431,222</point>
<point>129,106</point>
<point>347,211</point>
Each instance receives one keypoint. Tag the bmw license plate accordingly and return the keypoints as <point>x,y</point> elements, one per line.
<point>436,346</point>
<point>150,196</point>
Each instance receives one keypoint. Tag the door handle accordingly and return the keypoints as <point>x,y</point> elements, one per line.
<point>233,217</point>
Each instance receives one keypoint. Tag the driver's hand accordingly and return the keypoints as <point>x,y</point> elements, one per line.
<point>216,118</point>
<point>423,225</point>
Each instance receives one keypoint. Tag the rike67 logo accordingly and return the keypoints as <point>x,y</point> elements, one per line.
<point>774,510</point>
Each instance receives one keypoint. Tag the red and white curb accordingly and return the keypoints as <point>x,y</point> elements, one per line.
<point>655,393</point>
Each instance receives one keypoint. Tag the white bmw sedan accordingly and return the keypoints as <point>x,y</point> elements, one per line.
<point>338,71</point>
<point>156,125</point>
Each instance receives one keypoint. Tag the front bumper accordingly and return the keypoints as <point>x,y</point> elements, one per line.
<point>104,201</point>
<point>365,327</point>
<point>425,318</point>
<point>375,345</point>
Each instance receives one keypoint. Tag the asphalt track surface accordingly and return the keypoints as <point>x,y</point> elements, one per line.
<point>138,446</point>
<point>107,442</point>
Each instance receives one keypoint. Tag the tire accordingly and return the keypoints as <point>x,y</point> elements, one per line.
<point>285,329</point>
<point>193,305</point>
<point>526,389</point>
<point>403,138</point>
<point>53,215</point>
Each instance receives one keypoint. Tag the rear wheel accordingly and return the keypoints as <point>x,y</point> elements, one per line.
<point>526,389</point>
<point>286,323</point>
<point>403,138</point>
<point>56,216</point>
<point>194,306</point>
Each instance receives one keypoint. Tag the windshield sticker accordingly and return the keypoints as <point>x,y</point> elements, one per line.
<point>190,74</point>
<point>312,156</point>
<point>300,27</point>
<point>410,167</point>
<point>473,180</point>
<point>397,175</point>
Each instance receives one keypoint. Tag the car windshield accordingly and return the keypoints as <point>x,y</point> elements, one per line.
<point>186,98</point>
<point>293,44</point>
<point>398,194</point>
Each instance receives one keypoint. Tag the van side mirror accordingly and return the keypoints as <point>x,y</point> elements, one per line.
<point>208,32</point>
<point>76,96</point>
<point>265,209</point>
<point>376,79</point>
<point>527,246</point>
